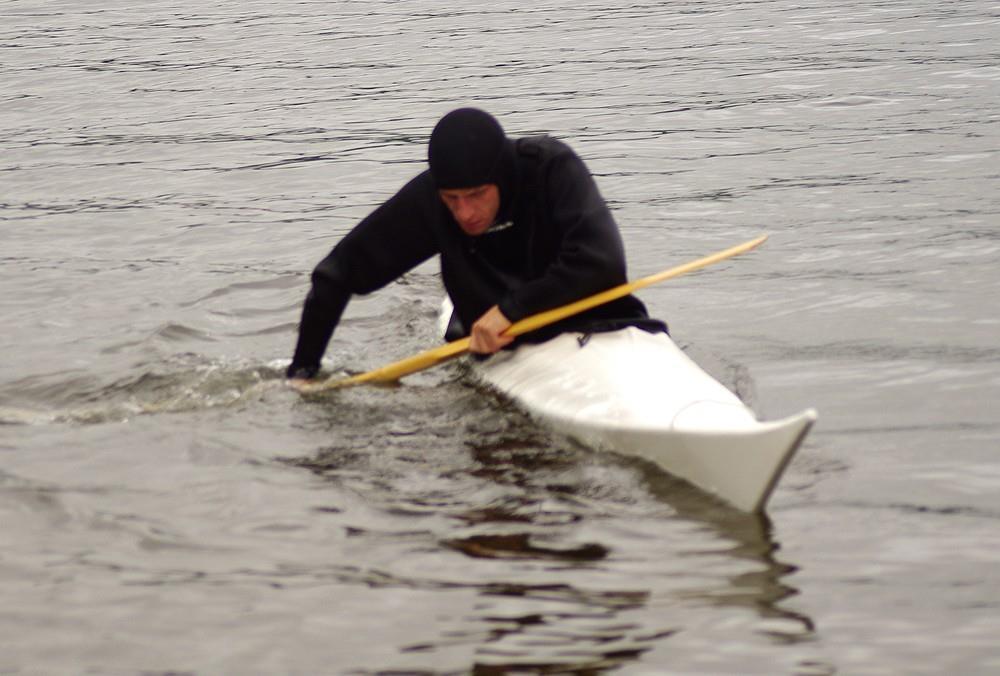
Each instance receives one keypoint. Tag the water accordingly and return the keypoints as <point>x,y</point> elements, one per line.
<point>170,173</point>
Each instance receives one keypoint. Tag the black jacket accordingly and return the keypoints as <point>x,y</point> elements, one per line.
<point>556,242</point>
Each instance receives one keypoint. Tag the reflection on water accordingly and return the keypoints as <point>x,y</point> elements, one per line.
<point>518,505</point>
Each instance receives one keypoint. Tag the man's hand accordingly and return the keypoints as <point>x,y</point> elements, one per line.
<point>300,377</point>
<point>299,384</point>
<point>485,337</point>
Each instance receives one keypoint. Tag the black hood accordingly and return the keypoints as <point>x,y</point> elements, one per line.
<point>468,148</point>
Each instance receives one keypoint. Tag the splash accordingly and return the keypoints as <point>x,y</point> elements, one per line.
<point>183,384</point>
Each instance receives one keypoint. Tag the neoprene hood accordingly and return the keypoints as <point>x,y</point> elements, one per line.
<point>468,148</point>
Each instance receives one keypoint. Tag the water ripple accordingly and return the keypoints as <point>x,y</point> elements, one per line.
<point>172,171</point>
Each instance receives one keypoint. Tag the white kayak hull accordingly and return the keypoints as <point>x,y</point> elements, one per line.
<point>636,393</point>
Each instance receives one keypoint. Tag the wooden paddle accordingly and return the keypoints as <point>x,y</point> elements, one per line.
<point>425,360</point>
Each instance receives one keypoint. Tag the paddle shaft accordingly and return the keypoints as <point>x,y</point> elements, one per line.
<point>424,360</point>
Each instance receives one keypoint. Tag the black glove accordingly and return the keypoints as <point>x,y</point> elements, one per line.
<point>304,372</point>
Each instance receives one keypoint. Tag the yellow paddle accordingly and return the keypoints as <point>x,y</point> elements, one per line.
<point>425,360</point>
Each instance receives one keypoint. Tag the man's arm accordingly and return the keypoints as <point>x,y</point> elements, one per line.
<point>390,241</point>
<point>321,313</point>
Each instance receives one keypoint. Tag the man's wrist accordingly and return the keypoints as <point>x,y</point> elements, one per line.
<point>298,372</point>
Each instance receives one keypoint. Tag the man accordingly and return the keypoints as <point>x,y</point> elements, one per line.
<point>520,227</point>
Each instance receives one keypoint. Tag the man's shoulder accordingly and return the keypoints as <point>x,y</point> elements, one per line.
<point>423,182</point>
<point>415,201</point>
<point>418,193</point>
<point>542,147</point>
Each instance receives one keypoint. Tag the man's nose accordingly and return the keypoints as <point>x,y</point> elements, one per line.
<point>463,209</point>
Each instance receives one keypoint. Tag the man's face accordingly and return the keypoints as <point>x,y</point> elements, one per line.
<point>474,209</point>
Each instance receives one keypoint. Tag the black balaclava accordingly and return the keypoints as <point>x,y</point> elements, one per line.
<point>468,148</point>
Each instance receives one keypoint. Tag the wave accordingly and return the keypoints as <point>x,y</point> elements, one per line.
<point>186,383</point>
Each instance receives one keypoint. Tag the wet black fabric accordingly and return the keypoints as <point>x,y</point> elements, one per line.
<point>559,245</point>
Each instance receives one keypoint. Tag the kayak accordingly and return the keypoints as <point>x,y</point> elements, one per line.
<point>637,394</point>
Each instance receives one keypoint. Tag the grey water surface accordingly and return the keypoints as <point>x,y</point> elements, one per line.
<point>170,171</point>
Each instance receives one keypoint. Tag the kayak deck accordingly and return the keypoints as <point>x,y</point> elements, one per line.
<point>637,393</point>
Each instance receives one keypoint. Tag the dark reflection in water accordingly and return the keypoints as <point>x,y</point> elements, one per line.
<point>519,506</point>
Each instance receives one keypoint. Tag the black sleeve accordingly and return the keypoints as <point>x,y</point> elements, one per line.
<point>391,240</point>
<point>590,256</point>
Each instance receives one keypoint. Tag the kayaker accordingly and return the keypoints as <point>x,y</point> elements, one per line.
<point>520,228</point>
